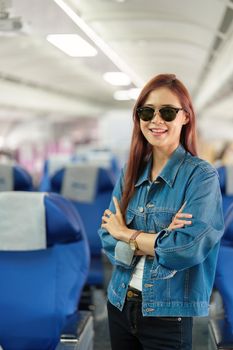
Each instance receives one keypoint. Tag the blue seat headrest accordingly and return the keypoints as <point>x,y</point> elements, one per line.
<point>56,181</point>
<point>105,180</point>
<point>22,179</point>
<point>226,179</point>
<point>222,178</point>
<point>228,233</point>
<point>34,221</point>
<point>63,223</point>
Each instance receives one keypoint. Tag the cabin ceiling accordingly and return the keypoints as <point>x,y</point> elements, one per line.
<point>193,39</point>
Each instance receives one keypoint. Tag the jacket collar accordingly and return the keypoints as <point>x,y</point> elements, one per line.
<point>168,173</point>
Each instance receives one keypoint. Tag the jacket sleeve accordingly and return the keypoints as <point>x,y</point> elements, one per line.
<point>118,252</point>
<point>183,248</point>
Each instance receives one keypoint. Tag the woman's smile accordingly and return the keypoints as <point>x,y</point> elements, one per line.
<point>158,132</point>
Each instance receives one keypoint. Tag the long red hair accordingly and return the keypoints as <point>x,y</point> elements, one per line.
<point>140,149</point>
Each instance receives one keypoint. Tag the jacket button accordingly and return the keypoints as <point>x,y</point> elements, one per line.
<point>150,205</point>
<point>141,209</point>
<point>149,309</point>
<point>123,285</point>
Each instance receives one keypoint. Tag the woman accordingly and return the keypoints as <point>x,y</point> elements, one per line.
<point>164,258</point>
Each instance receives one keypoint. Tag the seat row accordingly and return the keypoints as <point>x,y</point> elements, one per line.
<point>44,264</point>
<point>53,252</point>
<point>89,187</point>
<point>221,324</point>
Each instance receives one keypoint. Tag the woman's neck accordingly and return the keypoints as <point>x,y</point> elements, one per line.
<point>160,158</point>
<point>157,166</point>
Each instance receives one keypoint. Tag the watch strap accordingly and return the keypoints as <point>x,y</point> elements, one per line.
<point>133,237</point>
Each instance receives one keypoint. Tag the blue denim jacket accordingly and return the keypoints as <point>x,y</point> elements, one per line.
<point>178,280</point>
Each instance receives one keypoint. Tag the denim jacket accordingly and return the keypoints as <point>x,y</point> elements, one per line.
<point>178,280</point>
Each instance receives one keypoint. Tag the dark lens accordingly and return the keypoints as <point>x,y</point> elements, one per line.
<point>168,113</point>
<point>145,113</point>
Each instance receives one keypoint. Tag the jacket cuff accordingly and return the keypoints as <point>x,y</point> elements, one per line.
<point>124,255</point>
<point>159,272</point>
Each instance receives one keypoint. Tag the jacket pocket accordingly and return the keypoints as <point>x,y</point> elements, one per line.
<point>162,219</point>
<point>129,219</point>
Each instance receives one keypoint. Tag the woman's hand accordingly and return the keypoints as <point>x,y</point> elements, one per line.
<point>115,223</point>
<point>179,220</point>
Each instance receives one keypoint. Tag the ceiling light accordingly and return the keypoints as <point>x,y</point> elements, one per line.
<point>125,95</point>
<point>99,42</point>
<point>72,44</point>
<point>117,78</point>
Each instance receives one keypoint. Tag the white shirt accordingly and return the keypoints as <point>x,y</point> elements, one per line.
<point>136,279</point>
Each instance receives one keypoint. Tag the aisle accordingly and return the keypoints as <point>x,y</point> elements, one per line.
<point>101,338</point>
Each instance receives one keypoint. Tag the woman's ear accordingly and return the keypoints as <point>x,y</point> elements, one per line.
<point>186,119</point>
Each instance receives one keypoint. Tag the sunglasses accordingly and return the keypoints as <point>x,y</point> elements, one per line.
<point>167,113</point>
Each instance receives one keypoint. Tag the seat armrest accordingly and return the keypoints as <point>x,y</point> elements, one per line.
<point>78,333</point>
<point>221,334</point>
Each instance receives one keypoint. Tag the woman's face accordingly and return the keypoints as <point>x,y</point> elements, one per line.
<point>159,133</point>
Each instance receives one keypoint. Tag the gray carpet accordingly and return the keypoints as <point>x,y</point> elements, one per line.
<point>101,338</point>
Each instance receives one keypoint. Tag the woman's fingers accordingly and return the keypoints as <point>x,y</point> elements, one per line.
<point>117,206</point>
<point>174,226</point>
<point>185,222</point>
<point>182,208</point>
<point>106,216</point>
<point>183,215</point>
<point>180,220</point>
<point>107,213</point>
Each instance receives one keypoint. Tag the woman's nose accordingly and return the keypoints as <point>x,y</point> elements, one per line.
<point>157,118</point>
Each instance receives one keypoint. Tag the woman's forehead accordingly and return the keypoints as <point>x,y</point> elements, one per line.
<point>162,96</point>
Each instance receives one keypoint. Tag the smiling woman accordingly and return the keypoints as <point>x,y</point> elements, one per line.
<point>164,128</point>
<point>163,226</point>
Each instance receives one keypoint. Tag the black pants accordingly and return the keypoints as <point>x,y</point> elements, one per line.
<point>129,330</point>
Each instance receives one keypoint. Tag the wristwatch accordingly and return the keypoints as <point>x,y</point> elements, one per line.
<point>132,241</point>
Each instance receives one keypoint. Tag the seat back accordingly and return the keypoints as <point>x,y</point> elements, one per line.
<point>14,178</point>
<point>223,277</point>
<point>226,185</point>
<point>42,277</point>
<point>90,189</point>
<point>224,281</point>
<point>51,166</point>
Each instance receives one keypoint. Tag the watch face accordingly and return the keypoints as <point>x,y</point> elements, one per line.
<point>132,245</point>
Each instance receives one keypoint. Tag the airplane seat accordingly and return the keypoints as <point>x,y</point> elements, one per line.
<point>90,189</point>
<point>51,166</point>
<point>223,280</point>
<point>104,158</point>
<point>116,169</point>
<point>227,239</point>
<point>221,328</point>
<point>226,185</point>
<point>44,263</point>
<point>14,178</point>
